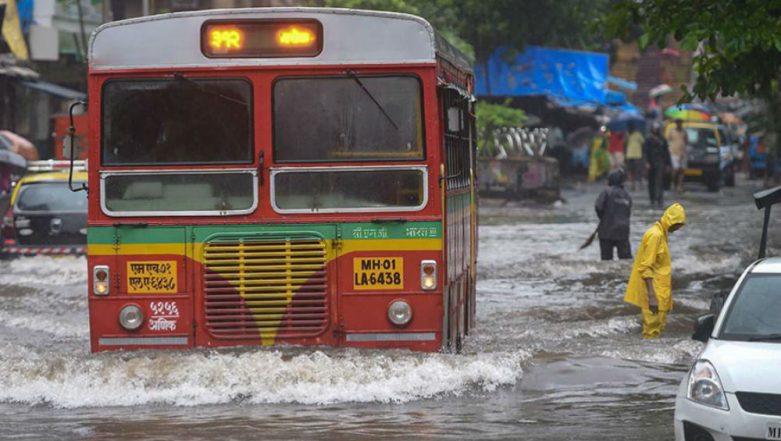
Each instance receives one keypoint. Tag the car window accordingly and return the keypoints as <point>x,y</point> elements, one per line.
<point>701,137</point>
<point>754,311</point>
<point>51,196</point>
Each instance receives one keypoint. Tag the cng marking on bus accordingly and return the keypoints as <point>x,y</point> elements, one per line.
<point>378,273</point>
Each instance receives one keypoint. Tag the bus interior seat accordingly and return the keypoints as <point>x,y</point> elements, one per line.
<point>143,190</point>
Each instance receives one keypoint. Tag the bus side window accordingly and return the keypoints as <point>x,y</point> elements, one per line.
<point>457,140</point>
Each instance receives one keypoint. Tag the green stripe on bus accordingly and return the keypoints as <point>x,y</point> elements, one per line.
<point>133,234</point>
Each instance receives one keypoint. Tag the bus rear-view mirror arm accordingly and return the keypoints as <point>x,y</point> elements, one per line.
<point>71,136</point>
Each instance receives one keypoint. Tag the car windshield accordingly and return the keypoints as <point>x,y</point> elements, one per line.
<point>753,314</point>
<point>701,137</point>
<point>51,196</point>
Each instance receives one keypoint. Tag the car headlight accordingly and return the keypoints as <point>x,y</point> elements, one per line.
<point>705,386</point>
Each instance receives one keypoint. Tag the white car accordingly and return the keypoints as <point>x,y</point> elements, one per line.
<point>733,390</point>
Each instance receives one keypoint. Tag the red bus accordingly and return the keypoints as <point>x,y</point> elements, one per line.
<point>280,176</point>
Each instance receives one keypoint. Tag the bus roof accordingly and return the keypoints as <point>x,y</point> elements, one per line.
<point>349,37</point>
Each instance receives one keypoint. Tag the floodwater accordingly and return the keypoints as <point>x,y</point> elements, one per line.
<point>556,355</point>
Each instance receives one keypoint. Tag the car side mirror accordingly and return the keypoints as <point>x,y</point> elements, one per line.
<point>703,327</point>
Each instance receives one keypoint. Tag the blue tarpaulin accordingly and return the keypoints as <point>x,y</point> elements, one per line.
<point>25,8</point>
<point>566,76</point>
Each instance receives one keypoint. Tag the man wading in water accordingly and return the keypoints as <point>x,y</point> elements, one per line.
<point>614,206</point>
<point>650,284</point>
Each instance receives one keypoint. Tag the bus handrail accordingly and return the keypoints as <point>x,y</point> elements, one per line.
<point>71,135</point>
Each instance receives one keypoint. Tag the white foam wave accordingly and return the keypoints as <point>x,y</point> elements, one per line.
<point>575,330</point>
<point>44,270</point>
<point>694,303</point>
<point>661,351</point>
<point>689,263</point>
<point>613,326</point>
<point>53,325</point>
<point>256,377</point>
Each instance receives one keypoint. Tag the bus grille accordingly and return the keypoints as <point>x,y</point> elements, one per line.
<point>272,289</point>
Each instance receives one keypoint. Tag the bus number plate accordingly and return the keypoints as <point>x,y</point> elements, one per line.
<point>151,277</point>
<point>373,273</point>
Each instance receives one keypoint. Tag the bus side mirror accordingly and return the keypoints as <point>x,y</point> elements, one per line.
<point>703,327</point>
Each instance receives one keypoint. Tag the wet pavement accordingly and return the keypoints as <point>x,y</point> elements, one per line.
<point>556,355</point>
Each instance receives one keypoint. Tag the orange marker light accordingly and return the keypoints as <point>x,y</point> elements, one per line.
<point>294,36</point>
<point>226,39</point>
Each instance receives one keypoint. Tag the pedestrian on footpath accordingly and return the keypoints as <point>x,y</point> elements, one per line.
<point>614,207</point>
<point>634,156</point>
<point>676,139</point>
<point>657,157</point>
<point>650,283</point>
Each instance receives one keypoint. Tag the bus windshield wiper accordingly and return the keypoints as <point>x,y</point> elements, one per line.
<point>200,87</point>
<point>354,76</point>
<point>769,337</point>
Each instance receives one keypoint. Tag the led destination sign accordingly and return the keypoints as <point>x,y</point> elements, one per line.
<point>259,39</point>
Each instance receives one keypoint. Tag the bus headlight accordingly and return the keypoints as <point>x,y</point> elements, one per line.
<point>100,280</point>
<point>705,386</point>
<point>428,275</point>
<point>399,312</point>
<point>131,317</point>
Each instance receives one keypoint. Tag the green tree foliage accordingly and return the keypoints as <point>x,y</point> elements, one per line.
<point>491,117</point>
<point>488,24</point>
<point>738,42</point>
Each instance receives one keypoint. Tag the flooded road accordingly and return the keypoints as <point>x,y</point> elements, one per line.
<point>556,355</point>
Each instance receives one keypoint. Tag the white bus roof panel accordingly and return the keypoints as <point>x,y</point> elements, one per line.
<point>349,37</point>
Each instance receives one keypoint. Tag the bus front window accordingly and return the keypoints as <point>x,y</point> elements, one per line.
<point>349,119</point>
<point>177,122</point>
<point>352,118</point>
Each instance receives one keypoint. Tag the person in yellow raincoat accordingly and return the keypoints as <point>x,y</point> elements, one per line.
<point>599,159</point>
<point>650,283</point>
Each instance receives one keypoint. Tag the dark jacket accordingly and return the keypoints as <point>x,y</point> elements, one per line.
<point>614,206</point>
<point>656,151</point>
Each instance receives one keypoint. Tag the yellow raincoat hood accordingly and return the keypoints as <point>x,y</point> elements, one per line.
<point>653,262</point>
<point>674,214</point>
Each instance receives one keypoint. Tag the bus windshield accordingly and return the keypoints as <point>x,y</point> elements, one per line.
<point>351,118</point>
<point>177,121</point>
